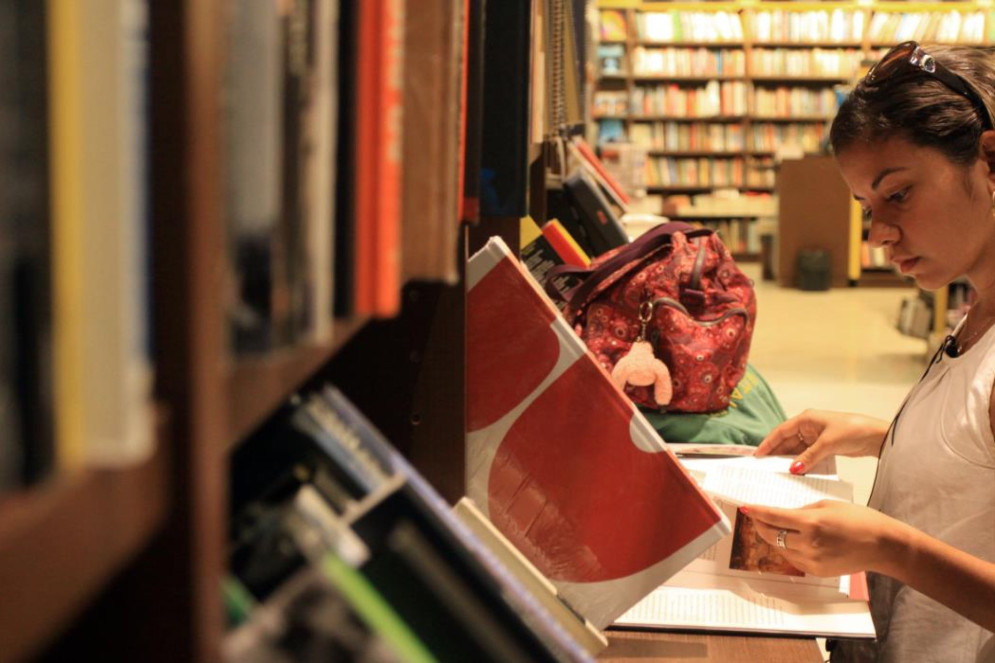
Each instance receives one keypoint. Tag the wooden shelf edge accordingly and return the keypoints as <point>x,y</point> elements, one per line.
<point>62,542</point>
<point>258,385</point>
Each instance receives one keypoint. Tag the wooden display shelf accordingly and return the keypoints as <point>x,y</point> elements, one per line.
<point>808,44</point>
<point>63,541</point>
<point>666,646</point>
<point>706,187</point>
<point>718,154</point>
<point>792,118</point>
<point>689,44</point>
<point>670,78</point>
<point>786,78</point>
<point>257,385</point>
<point>687,118</point>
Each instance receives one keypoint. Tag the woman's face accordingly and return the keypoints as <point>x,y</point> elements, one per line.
<point>933,217</point>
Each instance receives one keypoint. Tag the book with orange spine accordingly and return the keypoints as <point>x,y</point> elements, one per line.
<point>565,244</point>
<point>379,118</point>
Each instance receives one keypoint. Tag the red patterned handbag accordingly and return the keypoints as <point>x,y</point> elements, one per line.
<point>670,315</point>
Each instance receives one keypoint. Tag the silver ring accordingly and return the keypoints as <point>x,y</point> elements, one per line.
<point>781,535</point>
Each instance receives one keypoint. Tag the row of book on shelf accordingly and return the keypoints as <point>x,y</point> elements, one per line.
<point>717,137</point>
<point>717,99</point>
<point>318,123</point>
<point>76,369</point>
<point>713,98</point>
<point>687,61</point>
<point>797,26</point>
<point>701,62</point>
<point>321,121</point>
<point>337,542</point>
<point>706,172</point>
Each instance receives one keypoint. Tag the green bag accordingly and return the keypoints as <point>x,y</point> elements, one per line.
<point>753,411</point>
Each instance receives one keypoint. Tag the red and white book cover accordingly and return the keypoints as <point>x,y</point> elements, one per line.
<point>561,461</point>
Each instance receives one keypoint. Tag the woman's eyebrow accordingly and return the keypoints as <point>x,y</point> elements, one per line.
<point>883,174</point>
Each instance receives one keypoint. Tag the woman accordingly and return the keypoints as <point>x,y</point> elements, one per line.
<point>915,144</point>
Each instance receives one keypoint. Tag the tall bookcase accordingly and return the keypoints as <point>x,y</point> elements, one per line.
<point>714,90</point>
<point>127,564</point>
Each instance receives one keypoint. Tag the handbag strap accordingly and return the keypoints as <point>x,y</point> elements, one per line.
<point>642,246</point>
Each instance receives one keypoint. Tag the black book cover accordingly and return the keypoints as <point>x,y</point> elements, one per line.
<point>27,445</point>
<point>559,206</point>
<point>504,156</point>
<point>345,200</point>
<point>604,230</point>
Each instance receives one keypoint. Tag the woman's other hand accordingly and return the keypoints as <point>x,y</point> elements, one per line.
<point>817,434</point>
<point>831,538</point>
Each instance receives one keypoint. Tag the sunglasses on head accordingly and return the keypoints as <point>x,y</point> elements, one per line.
<point>909,58</point>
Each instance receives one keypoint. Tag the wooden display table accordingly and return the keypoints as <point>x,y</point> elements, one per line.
<point>664,646</point>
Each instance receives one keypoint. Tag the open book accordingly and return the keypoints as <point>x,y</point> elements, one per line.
<point>742,584</point>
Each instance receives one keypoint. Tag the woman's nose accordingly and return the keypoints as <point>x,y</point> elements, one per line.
<point>882,233</point>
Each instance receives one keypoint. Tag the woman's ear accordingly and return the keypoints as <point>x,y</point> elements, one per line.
<point>987,152</point>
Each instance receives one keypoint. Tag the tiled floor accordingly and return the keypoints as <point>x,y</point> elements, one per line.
<point>835,350</point>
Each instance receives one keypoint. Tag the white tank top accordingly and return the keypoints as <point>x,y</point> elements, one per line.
<point>937,473</point>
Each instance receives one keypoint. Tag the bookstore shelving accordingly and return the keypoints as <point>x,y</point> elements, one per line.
<point>126,562</point>
<point>743,81</point>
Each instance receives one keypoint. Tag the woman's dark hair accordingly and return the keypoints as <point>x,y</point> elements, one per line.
<point>921,109</point>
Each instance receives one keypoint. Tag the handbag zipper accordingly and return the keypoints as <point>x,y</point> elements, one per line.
<point>673,303</point>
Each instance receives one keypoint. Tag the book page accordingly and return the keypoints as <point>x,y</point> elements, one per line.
<point>725,610</point>
<point>741,484</point>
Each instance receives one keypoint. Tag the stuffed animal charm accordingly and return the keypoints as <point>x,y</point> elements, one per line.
<point>640,368</point>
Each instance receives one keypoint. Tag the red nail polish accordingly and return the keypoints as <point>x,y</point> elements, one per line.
<point>797,467</point>
<point>745,510</point>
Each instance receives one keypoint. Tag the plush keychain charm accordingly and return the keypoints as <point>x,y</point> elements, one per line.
<point>640,367</point>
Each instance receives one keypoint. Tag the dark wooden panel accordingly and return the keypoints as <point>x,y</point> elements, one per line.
<point>258,385</point>
<point>657,646</point>
<point>61,543</point>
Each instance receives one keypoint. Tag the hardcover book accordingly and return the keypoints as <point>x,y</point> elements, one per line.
<point>561,461</point>
<point>595,214</point>
<point>742,584</point>
<point>446,584</point>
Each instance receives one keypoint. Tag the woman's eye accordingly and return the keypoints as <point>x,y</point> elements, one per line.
<point>899,195</point>
<point>865,213</point>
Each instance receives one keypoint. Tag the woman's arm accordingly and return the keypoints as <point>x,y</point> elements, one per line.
<point>832,538</point>
<point>956,579</point>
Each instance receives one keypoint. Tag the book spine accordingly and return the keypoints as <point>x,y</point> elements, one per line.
<point>65,139</point>
<point>321,173</point>
<point>27,451</point>
<point>565,245</point>
<point>291,261</point>
<point>346,221</point>
<point>117,367</point>
<point>591,159</point>
<point>379,119</point>
<point>254,177</point>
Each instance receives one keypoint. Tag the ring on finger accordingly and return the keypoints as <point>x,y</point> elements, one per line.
<point>801,438</point>
<point>782,534</point>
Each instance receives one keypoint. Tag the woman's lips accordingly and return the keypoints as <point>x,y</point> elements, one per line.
<point>905,265</point>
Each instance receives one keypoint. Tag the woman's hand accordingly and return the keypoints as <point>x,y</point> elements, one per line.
<point>818,434</point>
<point>831,538</point>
